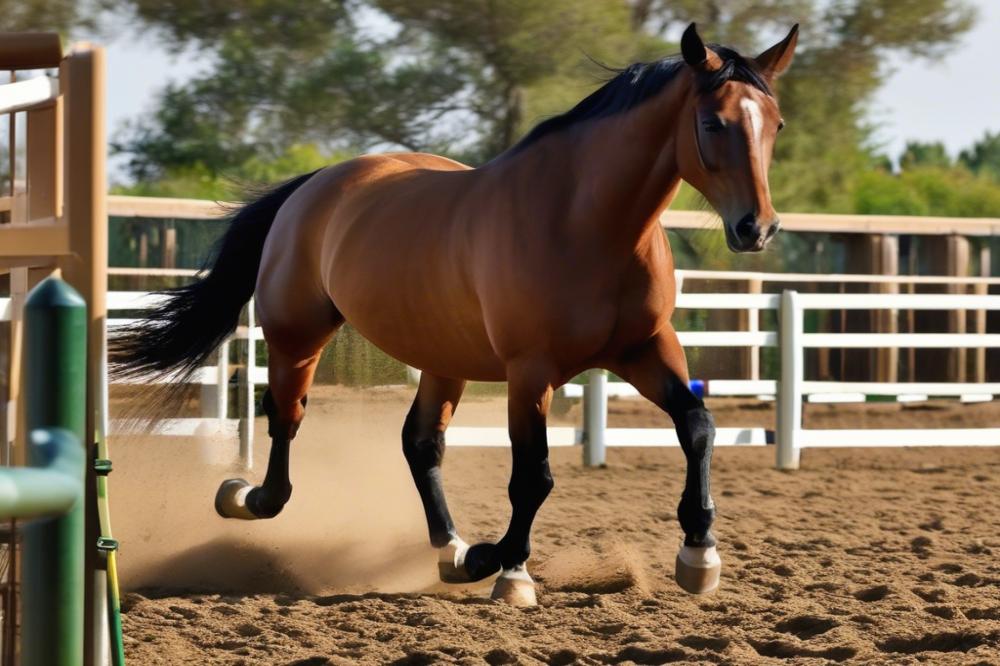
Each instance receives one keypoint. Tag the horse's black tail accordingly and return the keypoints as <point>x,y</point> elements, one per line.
<point>179,335</point>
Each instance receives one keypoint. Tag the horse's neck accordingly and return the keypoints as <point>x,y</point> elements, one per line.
<point>625,167</point>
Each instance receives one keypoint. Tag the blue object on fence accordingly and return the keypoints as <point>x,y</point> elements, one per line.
<point>698,387</point>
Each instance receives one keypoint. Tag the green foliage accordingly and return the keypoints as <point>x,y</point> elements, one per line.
<point>519,59</point>
<point>47,15</point>
<point>468,77</point>
<point>449,76</point>
<point>927,190</point>
<point>984,156</point>
<point>918,154</point>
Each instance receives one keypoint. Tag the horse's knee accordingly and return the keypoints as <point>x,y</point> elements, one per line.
<point>283,418</point>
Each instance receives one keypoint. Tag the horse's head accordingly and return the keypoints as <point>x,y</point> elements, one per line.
<point>726,138</point>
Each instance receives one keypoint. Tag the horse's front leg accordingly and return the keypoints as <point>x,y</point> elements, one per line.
<point>659,372</point>
<point>529,397</point>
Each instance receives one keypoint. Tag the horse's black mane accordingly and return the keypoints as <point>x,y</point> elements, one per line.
<point>632,86</point>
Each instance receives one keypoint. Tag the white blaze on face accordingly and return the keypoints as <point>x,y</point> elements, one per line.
<point>756,118</point>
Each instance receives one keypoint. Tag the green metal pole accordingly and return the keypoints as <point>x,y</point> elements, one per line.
<point>56,395</point>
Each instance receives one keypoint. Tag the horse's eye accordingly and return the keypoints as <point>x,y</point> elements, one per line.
<point>712,125</point>
<point>781,125</point>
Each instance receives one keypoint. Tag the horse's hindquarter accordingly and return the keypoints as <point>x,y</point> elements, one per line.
<point>394,262</point>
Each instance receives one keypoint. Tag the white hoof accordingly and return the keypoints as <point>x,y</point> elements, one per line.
<point>515,587</point>
<point>697,569</point>
<point>451,562</point>
<point>231,500</point>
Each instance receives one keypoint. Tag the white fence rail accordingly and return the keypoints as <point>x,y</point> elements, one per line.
<point>791,437</point>
<point>791,390</point>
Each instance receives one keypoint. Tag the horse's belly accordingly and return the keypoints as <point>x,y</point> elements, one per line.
<point>440,346</point>
<point>422,319</point>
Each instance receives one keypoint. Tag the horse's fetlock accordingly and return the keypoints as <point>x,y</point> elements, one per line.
<point>512,553</point>
<point>267,502</point>
<point>696,516</point>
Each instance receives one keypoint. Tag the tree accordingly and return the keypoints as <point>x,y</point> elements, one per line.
<point>216,122</point>
<point>445,76</point>
<point>984,155</point>
<point>466,78</point>
<point>519,60</point>
<point>47,15</point>
<point>917,154</point>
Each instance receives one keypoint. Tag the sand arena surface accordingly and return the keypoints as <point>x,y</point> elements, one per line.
<point>863,556</point>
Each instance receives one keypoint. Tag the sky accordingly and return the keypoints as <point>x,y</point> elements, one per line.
<point>954,100</point>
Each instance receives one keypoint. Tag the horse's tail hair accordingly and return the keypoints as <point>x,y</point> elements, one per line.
<point>179,335</point>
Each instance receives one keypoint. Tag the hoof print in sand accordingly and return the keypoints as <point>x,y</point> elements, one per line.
<point>499,657</point>
<point>876,593</point>
<point>949,641</point>
<point>943,612</point>
<point>806,626</point>
<point>920,546</point>
<point>562,658</point>
<point>640,655</point>
<point>983,613</point>
<point>704,643</point>
<point>789,650</point>
<point>933,595</point>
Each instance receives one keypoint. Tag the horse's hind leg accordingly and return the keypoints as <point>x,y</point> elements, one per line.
<point>423,445</point>
<point>292,358</point>
<point>659,372</point>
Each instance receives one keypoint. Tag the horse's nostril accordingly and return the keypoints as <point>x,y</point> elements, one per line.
<point>773,229</point>
<point>747,227</point>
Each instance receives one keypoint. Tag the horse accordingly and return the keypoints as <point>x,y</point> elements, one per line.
<point>540,264</point>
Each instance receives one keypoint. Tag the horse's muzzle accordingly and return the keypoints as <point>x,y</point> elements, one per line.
<point>749,236</point>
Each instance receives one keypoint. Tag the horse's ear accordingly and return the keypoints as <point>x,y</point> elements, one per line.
<point>774,61</point>
<point>695,53</point>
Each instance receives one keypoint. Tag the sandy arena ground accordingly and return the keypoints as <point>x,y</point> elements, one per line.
<point>863,556</point>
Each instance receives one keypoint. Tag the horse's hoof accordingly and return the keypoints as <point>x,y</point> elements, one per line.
<point>231,500</point>
<point>697,569</point>
<point>515,587</point>
<point>451,562</point>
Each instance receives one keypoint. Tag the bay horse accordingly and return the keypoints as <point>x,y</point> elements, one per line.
<point>545,262</point>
